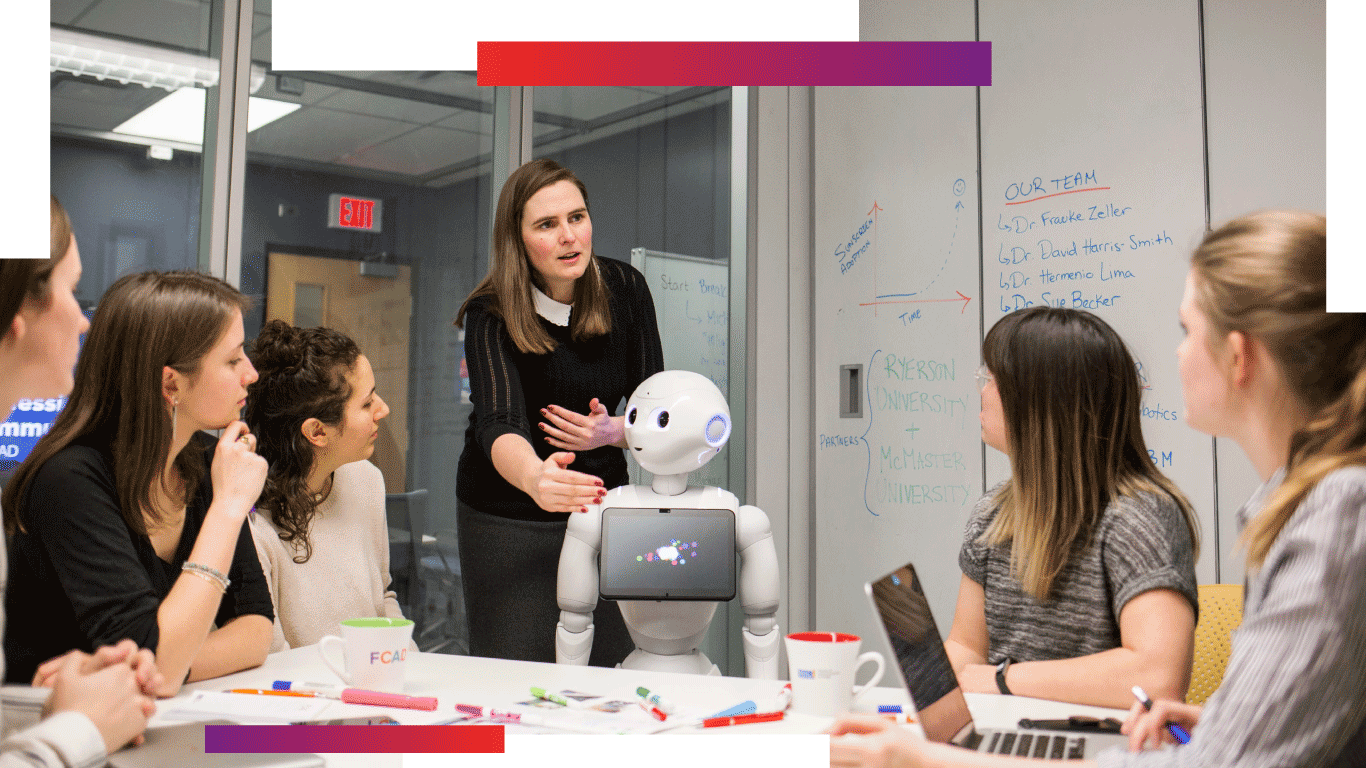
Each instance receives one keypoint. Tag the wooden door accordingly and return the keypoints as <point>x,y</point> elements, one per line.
<point>309,291</point>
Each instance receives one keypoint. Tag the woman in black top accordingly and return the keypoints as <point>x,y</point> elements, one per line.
<point>121,528</point>
<point>551,329</point>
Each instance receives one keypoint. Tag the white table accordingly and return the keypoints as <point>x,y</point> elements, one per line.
<point>499,683</point>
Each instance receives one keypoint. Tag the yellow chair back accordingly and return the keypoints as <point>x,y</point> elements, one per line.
<point>1221,611</point>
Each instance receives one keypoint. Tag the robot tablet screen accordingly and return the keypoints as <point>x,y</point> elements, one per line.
<point>667,554</point>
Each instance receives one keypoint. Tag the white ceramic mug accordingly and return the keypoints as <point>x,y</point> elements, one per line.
<point>822,666</point>
<point>373,653</point>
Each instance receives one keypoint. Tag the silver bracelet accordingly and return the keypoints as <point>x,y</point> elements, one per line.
<point>205,572</point>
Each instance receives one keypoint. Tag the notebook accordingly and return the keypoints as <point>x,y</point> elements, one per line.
<point>904,615</point>
<point>183,745</point>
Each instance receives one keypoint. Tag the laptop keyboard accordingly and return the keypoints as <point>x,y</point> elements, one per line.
<point>1042,745</point>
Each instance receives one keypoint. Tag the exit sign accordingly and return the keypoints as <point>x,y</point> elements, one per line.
<point>351,212</point>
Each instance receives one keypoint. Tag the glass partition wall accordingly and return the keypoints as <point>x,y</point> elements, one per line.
<point>362,200</point>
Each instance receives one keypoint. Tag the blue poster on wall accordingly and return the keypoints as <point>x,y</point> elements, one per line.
<point>30,420</point>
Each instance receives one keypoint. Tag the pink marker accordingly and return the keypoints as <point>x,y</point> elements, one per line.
<point>516,717</point>
<point>381,699</point>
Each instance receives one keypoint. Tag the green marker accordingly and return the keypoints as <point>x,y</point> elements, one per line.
<point>556,698</point>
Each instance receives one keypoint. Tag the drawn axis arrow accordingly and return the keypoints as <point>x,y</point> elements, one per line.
<point>961,297</point>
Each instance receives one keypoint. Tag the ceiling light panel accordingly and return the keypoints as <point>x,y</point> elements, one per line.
<point>127,62</point>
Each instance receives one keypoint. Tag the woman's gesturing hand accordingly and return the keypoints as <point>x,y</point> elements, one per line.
<point>556,488</point>
<point>579,432</point>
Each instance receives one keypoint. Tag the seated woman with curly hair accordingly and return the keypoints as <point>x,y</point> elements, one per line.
<point>319,526</point>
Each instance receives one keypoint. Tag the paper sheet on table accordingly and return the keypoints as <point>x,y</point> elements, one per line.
<point>245,707</point>
<point>590,713</point>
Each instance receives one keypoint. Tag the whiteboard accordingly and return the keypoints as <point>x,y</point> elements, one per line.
<point>896,278</point>
<point>1091,186</point>
<point>1093,192</point>
<point>692,308</point>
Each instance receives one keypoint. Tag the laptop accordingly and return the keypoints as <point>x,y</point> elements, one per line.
<point>904,615</point>
<point>183,745</point>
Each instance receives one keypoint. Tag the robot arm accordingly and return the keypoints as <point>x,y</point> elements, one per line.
<point>577,587</point>
<point>759,592</point>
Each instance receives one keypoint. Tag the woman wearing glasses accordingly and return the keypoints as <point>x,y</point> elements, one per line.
<point>1078,572</point>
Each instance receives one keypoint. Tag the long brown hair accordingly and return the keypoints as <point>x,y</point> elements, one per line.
<point>510,277</point>
<point>302,376</point>
<point>27,280</point>
<point>1265,275</point>
<point>144,322</point>
<point>1071,400</point>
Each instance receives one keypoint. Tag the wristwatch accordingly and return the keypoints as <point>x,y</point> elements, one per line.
<point>1001,675</point>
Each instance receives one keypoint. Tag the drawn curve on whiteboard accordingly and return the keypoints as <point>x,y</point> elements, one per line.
<point>868,449</point>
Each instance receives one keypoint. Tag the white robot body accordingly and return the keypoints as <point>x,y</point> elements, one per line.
<point>694,427</point>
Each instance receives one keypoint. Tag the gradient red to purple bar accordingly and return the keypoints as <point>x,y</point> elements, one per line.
<point>734,63</point>
<point>390,739</point>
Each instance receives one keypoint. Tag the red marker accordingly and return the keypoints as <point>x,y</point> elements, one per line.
<point>759,717</point>
<point>654,711</point>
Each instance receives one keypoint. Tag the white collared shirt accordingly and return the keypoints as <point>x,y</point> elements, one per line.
<point>550,309</point>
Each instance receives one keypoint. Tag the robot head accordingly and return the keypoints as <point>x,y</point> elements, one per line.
<point>676,421</point>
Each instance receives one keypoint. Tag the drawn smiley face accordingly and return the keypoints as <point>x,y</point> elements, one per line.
<point>959,187</point>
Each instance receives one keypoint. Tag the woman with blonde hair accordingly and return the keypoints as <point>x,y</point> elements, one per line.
<point>127,520</point>
<point>1079,571</point>
<point>1264,364</point>
<point>552,328</point>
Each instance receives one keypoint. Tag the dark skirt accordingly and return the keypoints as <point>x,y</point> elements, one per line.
<point>510,568</point>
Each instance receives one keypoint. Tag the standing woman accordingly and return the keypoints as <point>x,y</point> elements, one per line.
<point>101,701</point>
<point>320,527</point>
<point>129,522</point>
<point>1262,363</point>
<point>1079,571</point>
<point>552,328</point>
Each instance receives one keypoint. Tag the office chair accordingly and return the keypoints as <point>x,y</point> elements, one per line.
<point>405,554</point>
<point>1221,611</point>
<point>418,563</point>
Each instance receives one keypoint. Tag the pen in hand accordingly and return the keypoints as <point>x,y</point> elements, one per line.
<point>1175,729</point>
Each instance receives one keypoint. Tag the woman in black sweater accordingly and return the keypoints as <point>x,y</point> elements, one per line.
<point>128,520</point>
<point>551,329</point>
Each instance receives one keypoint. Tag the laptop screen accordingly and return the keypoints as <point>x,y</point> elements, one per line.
<point>905,616</point>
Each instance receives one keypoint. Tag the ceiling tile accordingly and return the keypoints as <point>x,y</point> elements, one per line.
<point>321,135</point>
<point>87,103</point>
<point>168,22</point>
<point>385,106</point>
<point>419,152</point>
<point>64,11</point>
<point>450,83</point>
<point>586,103</point>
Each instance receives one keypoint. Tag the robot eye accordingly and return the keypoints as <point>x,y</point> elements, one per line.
<point>663,419</point>
<point>631,416</point>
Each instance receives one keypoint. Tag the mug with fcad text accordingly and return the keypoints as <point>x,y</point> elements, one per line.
<point>373,653</point>
<point>821,666</point>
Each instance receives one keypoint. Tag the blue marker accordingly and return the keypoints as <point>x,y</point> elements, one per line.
<point>743,708</point>
<point>1175,729</point>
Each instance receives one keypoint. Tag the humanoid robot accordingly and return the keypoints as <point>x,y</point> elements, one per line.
<point>675,422</point>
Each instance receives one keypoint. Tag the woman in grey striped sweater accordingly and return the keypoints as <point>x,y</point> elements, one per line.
<point>1264,364</point>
